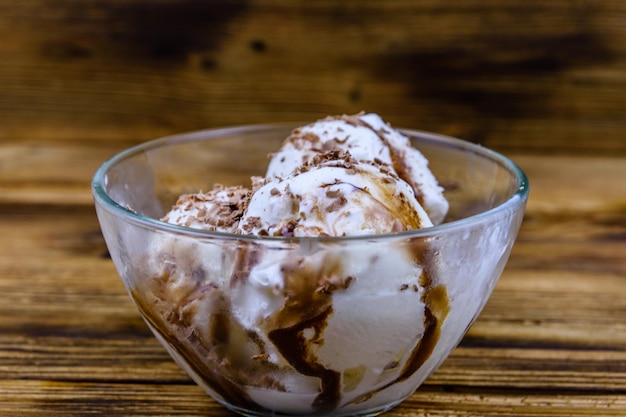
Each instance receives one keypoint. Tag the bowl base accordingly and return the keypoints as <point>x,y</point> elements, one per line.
<point>269,413</point>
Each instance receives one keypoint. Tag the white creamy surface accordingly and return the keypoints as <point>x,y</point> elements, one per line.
<point>308,141</point>
<point>335,200</point>
<point>375,322</point>
<point>368,138</point>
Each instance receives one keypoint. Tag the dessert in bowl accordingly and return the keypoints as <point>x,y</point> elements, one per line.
<point>331,279</point>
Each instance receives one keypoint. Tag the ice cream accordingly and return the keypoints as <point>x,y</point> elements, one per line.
<point>362,153</point>
<point>367,138</point>
<point>333,194</point>
<point>218,210</point>
<point>313,325</point>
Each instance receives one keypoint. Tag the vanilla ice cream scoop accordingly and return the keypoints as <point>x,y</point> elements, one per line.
<point>367,138</point>
<point>344,133</point>
<point>218,210</point>
<point>334,194</point>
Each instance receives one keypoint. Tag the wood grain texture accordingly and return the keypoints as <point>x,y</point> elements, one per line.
<point>512,75</point>
<point>542,82</point>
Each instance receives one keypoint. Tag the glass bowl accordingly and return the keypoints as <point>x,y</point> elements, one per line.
<point>305,326</point>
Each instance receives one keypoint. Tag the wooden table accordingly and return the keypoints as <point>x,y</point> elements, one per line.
<point>545,85</point>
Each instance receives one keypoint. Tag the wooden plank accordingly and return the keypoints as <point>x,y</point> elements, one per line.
<point>63,399</point>
<point>35,172</point>
<point>541,78</point>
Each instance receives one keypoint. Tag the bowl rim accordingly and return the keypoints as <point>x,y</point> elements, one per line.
<point>515,201</point>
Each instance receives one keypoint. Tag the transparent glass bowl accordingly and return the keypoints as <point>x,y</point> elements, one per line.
<point>310,326</point>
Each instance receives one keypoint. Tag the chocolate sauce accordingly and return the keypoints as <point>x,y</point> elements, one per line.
<point>206,369</point>
<point>307,307</point>
<point>435,313</point>
<point>295,348</point>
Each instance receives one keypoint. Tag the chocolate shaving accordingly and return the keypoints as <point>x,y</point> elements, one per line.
<point>330,193</point>
<point>337,204</point>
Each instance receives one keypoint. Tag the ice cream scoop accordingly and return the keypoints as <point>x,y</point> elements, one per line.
<point>333,194</point>
<point>218,210</point>
<point>367,138</point>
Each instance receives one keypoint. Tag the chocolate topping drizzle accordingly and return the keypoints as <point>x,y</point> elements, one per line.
<point>294,346</point>
<point>206,362</point>
<point>308,305</point>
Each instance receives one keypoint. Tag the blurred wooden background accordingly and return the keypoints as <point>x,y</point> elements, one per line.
<point>511,74</point>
